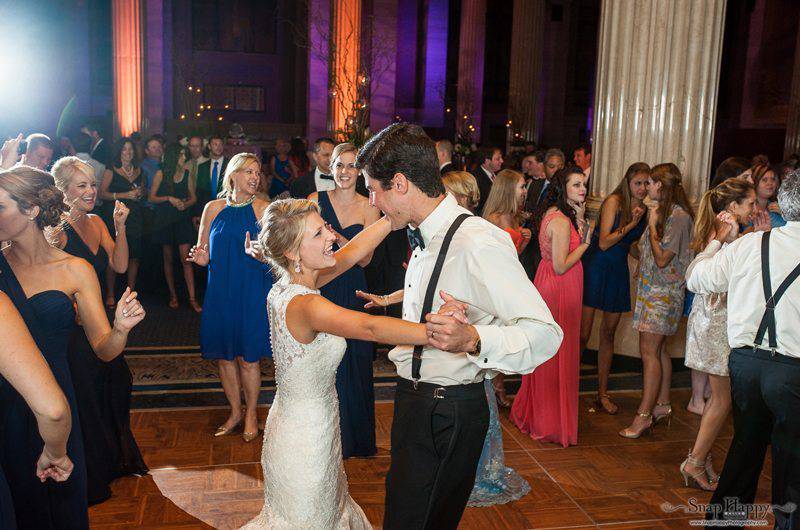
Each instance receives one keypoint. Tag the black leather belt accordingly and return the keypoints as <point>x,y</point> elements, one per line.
<point>471,390</point>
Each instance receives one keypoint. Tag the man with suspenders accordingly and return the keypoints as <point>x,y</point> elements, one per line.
<point>441,414</point>
<point>760,274</point>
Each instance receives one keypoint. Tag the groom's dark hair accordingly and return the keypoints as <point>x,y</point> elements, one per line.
<point>402,148</point>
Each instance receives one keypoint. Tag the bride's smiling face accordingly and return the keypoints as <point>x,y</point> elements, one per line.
<point>316,248</point>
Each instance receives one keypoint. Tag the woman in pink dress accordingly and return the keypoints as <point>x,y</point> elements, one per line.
<point>546,406</point>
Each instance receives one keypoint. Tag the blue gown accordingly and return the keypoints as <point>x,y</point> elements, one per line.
<point>606,279</point>
<point>354,383</point>
<point>50,317</point>
<point>234,319</point>
<point>494,482</point>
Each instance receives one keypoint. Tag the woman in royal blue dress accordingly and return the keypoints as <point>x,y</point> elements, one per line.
<point>347,213</point>
<point>606,280</point>
<point>234,329</point>
<point>47,285</point>
<point>23,368</point>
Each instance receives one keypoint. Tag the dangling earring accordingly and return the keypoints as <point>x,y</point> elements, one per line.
<point>297,267</point>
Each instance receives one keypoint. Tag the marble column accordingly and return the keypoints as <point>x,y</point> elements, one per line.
<point>383,57</point>
<point>526,67</point>
<point>345,60</point>
<point>158,66</point>
<point>791,144</point>
<point>127,57</point>
<point>319,15</point>
<point>656,92</point>
<point>472,41</point>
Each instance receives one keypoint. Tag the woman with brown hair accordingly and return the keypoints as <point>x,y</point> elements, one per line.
<point>664,255</point>
<point>606,278</point>
<point>49,288</point>
<point>707,346</point>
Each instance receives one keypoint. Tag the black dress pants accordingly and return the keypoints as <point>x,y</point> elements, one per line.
<point>436,445</point>
<point>766,410</point>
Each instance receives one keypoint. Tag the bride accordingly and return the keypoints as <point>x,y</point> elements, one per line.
<point>304,480</point>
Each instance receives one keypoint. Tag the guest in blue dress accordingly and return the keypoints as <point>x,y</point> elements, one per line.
<point>31,376</point>
<point>494,482</point>
<point>281,168</point>
<point>348,213</point>
<point>234,329</point>
<point>46,285</point>
<point>767,182</point>
<point>606,278</point>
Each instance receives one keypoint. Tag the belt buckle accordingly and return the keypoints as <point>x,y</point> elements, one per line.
<point>773,352</point>
<point>415,382</point>
<point>439,392</point>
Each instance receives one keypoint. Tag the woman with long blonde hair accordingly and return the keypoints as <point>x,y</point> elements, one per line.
<point>504,205</point>
<point>664,255</point>
<point>233,328</point>
<point>707,347</point>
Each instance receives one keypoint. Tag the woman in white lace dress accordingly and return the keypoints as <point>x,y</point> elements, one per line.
<point>305,486</point>
<point>707,345</point>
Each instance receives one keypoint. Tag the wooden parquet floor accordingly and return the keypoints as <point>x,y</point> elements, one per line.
<point>198,481</point>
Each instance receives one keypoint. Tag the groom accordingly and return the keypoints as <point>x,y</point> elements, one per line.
<point>441,414</point>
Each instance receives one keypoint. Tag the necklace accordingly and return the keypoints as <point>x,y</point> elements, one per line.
<point>233,204</point>
<point>128,171</point>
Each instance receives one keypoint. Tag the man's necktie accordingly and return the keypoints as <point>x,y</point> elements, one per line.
<point>415,238</point>
<point>214,178</point>
<point>325,177</point>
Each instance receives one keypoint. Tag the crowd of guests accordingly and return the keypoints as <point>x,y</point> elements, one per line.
<point>112,205</point>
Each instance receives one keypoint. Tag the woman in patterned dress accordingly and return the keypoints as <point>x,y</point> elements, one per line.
<point>665,254</point>
<point>706,335</point>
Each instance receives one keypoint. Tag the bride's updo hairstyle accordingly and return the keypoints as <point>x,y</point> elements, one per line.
<point>30,187</point>
<point>282,227</point>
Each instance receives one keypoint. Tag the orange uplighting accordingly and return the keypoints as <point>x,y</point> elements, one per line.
<point>128,62</point>
<point>347,43</point>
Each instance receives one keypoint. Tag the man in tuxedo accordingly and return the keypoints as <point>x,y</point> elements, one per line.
<point>533,169</point>
<point>320,178</point>
<point>444,152</point>
<point>545,163</point>
<point>582,156</point>
<point>210,174</point>
<point>195,145</point>
<point>100,150</point>
<point>491,159</point>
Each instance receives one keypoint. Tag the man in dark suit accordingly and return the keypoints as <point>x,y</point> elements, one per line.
<point>533,169</point>
<point>210,174</point>
<point>100,149</point>
<point>444,151</point>
<point>491,160</point>
<point>320,178</point>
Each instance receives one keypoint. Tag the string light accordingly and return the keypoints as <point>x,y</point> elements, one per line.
<point>190,88</point>
<point>197,90</point>
<point>202,107</point>
<point>219,118</point>
<point>183,116</point>
<point>227,106</point>
<point>447,109</point>
<point>198,114</point>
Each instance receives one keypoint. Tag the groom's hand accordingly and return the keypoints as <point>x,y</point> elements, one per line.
<point>454,308</point>
<point>446,333</point>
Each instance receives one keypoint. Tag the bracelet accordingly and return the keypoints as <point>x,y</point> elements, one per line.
<point>114,195</point>
<point>385,301</point>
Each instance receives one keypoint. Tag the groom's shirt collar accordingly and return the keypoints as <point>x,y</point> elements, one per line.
<point>441,215</point>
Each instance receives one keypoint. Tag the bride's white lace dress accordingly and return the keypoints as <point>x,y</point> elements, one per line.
<point>305,486</point>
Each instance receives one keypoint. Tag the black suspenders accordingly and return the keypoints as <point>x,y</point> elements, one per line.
<point>768,320</point>
<point>416,361</point>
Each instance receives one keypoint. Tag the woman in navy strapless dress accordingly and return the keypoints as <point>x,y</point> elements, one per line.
<point>606,280</point>
<point>29,373</point>
<point>102,389</point>
<point>233,328</point>
<point>46,285</point>
<point>354,377</point>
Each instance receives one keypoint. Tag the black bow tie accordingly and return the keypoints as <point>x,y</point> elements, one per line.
<point>415,238</point>
<point>325,177</point>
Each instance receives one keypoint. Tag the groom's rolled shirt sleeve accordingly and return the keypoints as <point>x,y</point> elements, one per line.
<point>525,335</point>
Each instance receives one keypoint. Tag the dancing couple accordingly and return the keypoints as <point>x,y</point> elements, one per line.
<point>496,322</point>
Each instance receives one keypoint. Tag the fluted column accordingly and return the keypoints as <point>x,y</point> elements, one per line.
<point>346,46</point>
<point>526,67</point>
<point>126,20</point>
<point>472,41</point>
<point>792,142</point>
<point>656,92</point>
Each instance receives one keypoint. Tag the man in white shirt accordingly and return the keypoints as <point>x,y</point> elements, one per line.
<point>765,355</point>
<point>582,156</point>
<point>441,414</point>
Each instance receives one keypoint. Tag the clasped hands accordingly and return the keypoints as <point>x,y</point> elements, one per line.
<point>449,329</point>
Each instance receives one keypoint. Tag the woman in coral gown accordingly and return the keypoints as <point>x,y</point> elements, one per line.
<point>546,406</point>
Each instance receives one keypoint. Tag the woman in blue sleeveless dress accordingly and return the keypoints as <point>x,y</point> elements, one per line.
<point>233,328</point>
<point>46,285</point>
<point>281,168</point>
<point>606,280</point>
<point>354,383</point>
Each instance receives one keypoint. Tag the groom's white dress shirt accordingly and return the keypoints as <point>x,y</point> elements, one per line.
<point>482,269</point>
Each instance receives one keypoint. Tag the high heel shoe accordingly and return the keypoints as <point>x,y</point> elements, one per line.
<point>628,433</point>
<point>713,477</point>
<point>698,475</point>
<point>667,416</point>
<point>250,436</point>
<point>611,410</point>
<point>222,431</point>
